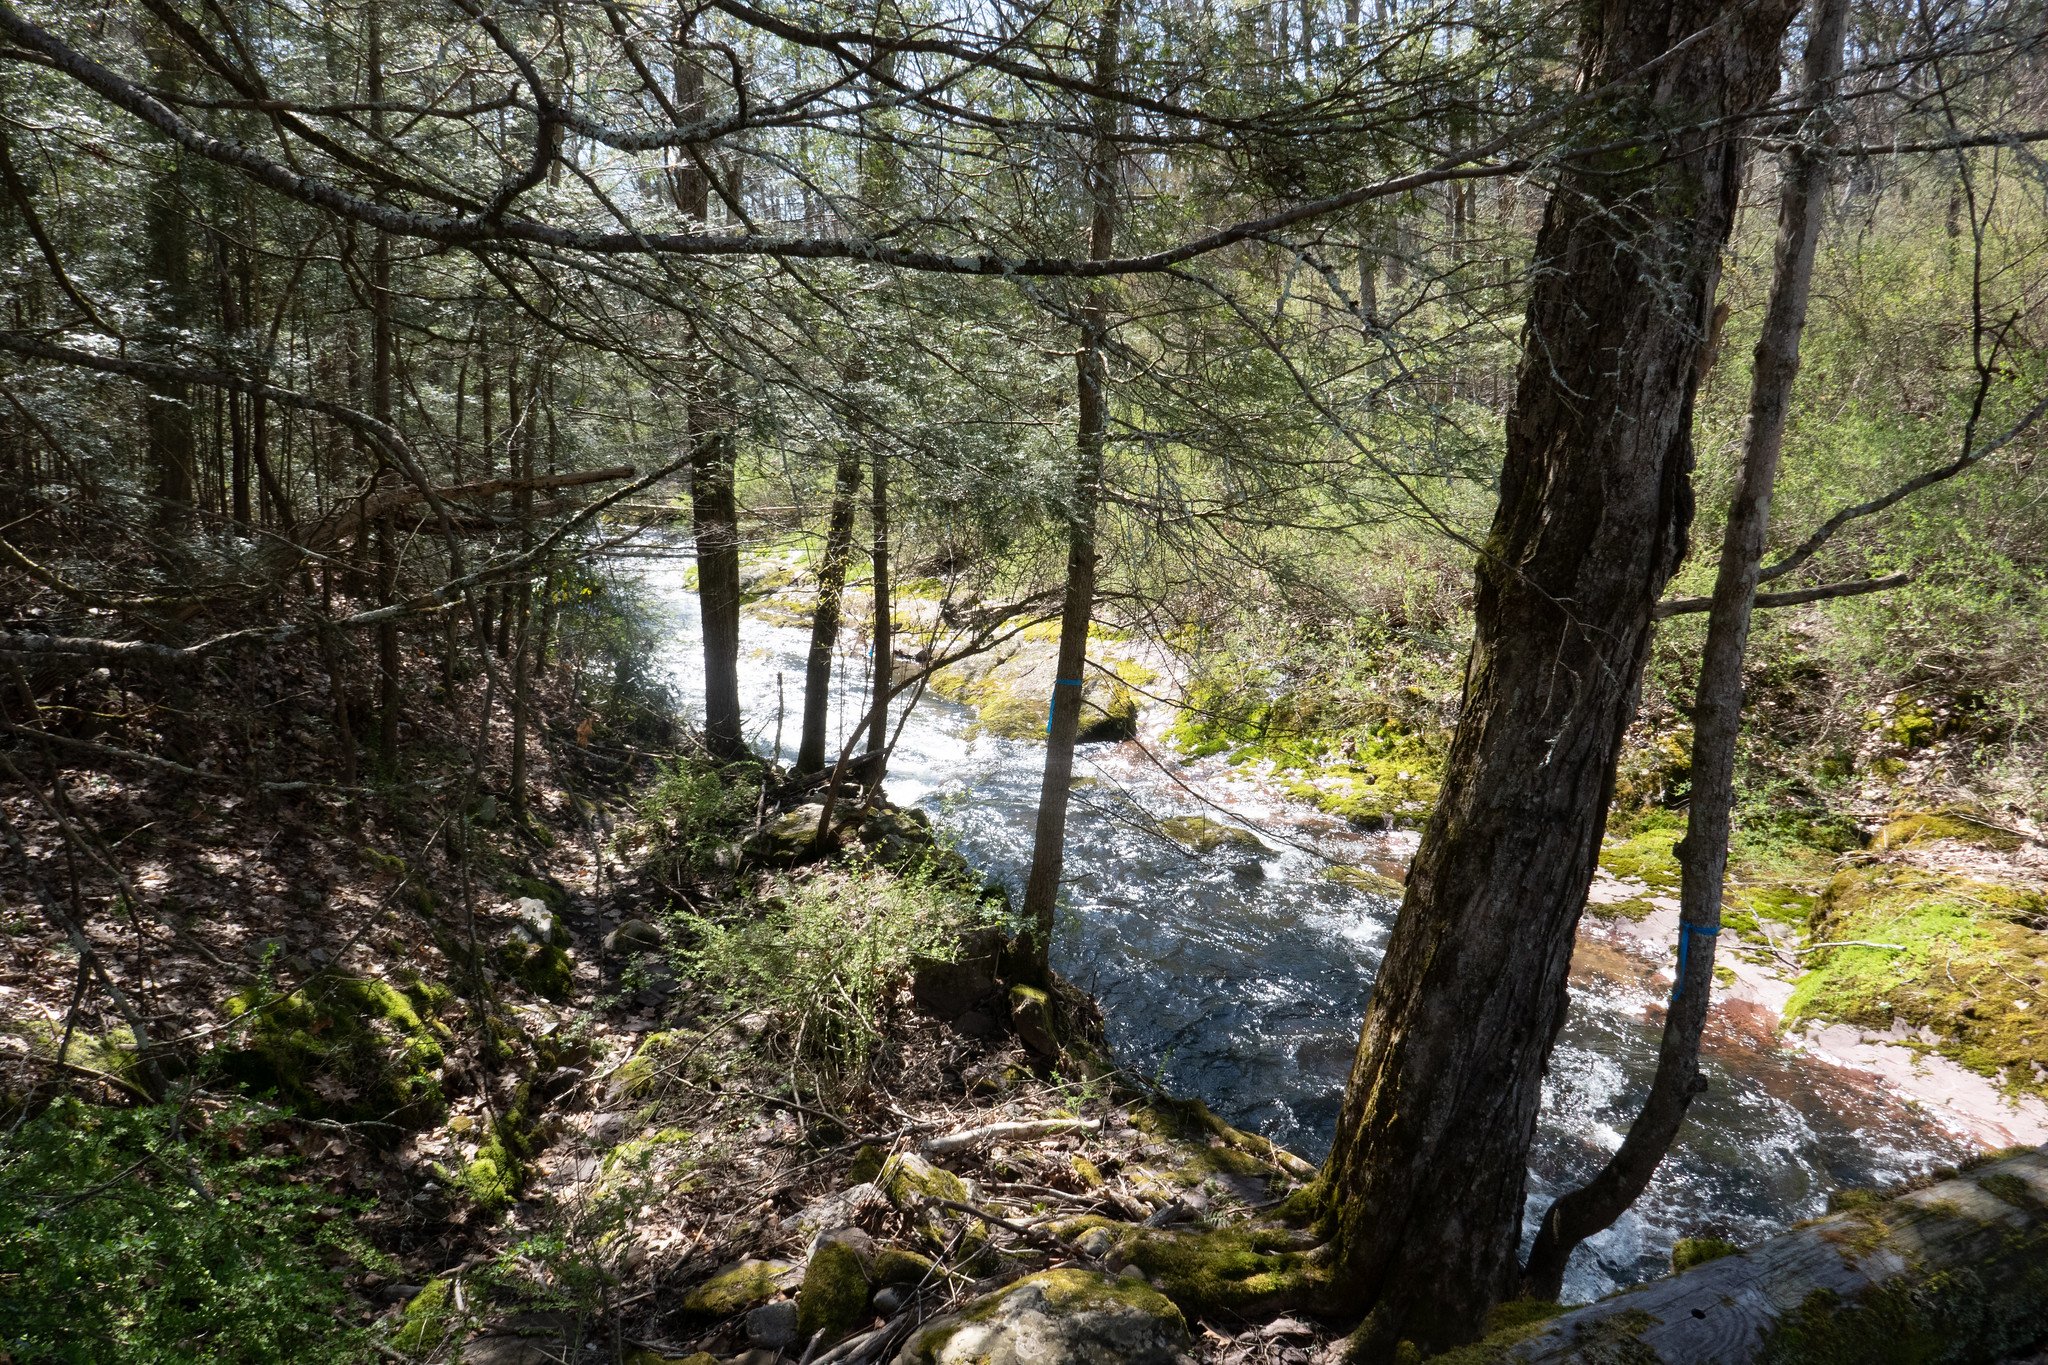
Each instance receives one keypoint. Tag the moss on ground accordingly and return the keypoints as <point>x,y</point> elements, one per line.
<point>493,1178</point>
<point>1236,1270</point>
<point>1959,957</point>
<point>354,1048</point>
<point>1353,759</point>
<point>642,1075</point>
<point>428,1319</point>
<point>1644,851</point>
<point>542,968</point>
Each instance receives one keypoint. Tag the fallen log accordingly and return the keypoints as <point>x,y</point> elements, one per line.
<point>1957,1271</point>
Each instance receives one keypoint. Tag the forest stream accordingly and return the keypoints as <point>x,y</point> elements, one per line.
<point>1239,975</point>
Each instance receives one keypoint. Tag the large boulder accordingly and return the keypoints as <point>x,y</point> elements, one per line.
<point>1059,1317</point>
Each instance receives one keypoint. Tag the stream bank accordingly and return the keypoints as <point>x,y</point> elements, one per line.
<point>1230,933</point>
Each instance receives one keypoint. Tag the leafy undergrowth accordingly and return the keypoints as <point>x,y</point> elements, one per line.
<point>344,1003</point>
<point>172,1232</point>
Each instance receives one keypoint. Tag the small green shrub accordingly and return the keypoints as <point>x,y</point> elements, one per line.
<point>692,812</point>
<point>139,1235</point>
<point>825,956</point>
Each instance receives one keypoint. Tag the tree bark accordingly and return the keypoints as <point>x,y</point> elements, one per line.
<point>1424,1188</point>
<point>883,633</point>
<point>714,510</point>
<point>1063,719</point>
<point>1717,714</point>
<point>810,753</point>
<point>383,343</point>
<point>169,429</point>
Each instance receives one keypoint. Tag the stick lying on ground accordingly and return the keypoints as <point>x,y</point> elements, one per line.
<point>1033,1128</point>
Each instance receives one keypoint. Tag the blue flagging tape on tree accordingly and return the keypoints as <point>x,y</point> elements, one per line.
<point>1686,933</point>
<point>1057,684</point>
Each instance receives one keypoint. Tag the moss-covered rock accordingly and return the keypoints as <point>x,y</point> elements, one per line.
<point>428,1320</point>
<point>738,1287</point>
<point>354,1048</point>
<point>1364,879</point>
<point>542,968</point>
<point>867,1165</point>
<point>789,839</point>
<point>1200,834</point>
<point>897,1268</point>
<point>642,1075</point>
<point>1057,1317</point>
<point>112,1053</point>
<point>834,1297</point>
<point>910,1182</point>
<point>493,1178</point>
<point>907,1179</point>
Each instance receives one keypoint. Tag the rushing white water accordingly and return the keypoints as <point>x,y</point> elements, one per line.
<point>1241,977</point>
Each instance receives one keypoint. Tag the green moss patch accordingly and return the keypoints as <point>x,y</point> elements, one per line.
<point>1950,822</point>
<point>542,968</point>
<point>1962,960</point>
<point>353,1048</point>
<point>429,1319</point>
<point>1691,1251</point>
<point>834,1297</point>
<point>737,1288</point>
<point>493,1178</point>
<point>1231,1270</point>
<point>1353,757</point>
<point>1200,834</point>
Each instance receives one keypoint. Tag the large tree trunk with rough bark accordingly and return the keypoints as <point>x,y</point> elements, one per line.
<point>1717,713</point>
<point>1425,1185</point>
<point>1077,608</point>
<point>714,506</point>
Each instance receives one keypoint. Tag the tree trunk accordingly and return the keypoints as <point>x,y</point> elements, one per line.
<point>714,510</point>
<point>383,342</point>
<point>1717,714</point>
<point>169,429</point>
<point>1424,1188</point>
<point>1077,608</point>
<point>884,629</point>
<point>810,753</point>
